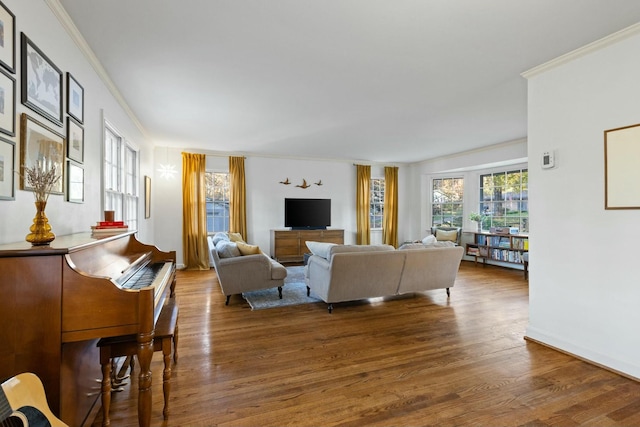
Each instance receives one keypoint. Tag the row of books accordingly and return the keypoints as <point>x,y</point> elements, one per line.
<point>508,256</point>
<point>503,242</point>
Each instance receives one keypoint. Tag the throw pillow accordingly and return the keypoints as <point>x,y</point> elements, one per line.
<point>429,240</point>
<point>451,235</point>
<point>218,237</point>
<point>227,249</point>
<point>247,249</point>
<point>320,248</point>
<point>236,237</point>
<point>445,244</point>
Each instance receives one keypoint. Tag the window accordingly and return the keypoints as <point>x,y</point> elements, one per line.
<point>376,203</point>
<point>446,201</point>
<point>504,199</point>
<point>217,188</point>
<point>120,178</point>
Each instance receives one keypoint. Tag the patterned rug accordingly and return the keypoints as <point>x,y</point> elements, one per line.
<point>294,292</point>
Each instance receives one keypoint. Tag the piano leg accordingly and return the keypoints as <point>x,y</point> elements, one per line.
<point>145,354</point>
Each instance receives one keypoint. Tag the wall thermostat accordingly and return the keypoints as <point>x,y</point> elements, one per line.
<point>548,159</point>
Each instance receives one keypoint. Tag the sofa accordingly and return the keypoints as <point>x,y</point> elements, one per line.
<point>339,273</point>
<point>242,267</point>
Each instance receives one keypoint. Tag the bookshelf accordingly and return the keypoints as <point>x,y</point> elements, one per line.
<point>498,247</point>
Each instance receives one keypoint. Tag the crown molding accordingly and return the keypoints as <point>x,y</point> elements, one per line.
<point>66,22</point>
<point>582,51</point>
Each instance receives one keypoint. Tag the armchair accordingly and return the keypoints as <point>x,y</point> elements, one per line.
<point>244,273</point>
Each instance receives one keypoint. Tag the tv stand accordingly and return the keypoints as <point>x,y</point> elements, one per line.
<point>291,245</point>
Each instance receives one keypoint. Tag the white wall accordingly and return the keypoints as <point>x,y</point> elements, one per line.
<point>36,19</point>
<point>583,282</point>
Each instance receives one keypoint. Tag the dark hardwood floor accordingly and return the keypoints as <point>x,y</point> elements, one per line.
<point>416,360</point>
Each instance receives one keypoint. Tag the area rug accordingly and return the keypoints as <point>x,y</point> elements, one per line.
<point>294,292</point>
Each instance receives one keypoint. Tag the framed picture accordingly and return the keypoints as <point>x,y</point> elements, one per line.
<point>7,104</point>
<point>75,99</point>
<point>7,165</point>
<point>75,140</point>
<point>41,145</point>
<point>41,82</point>
<point>147,197</point>
<point>622,168</point>
<point>75,182</point>
<point>8,38</point>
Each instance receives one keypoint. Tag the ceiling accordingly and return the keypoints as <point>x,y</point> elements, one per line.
<point>369,80</point>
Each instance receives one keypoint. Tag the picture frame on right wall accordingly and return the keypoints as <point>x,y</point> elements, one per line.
<point>75,99</point>
<point>622,168</point>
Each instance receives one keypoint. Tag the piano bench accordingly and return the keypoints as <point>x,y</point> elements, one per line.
<point>165,334</point>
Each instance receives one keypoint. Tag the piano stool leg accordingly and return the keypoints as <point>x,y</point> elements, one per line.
<point>175,344</point>
<point>105,361</point>
<point>166,374</point>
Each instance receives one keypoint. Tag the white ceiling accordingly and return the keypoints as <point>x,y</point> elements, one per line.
<point>369,80</point>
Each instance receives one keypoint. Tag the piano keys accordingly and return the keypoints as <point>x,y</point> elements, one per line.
<point>58,301</point>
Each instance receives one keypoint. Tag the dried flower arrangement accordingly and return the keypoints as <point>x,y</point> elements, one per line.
<point>41,180</point>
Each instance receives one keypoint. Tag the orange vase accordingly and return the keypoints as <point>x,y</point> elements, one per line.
<point>40,229</point>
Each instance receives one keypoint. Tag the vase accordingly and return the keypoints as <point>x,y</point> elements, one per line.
<point>40,229</point>
<point>479,227</point>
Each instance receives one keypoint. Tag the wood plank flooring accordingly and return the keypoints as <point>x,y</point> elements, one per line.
<point>416,360</point>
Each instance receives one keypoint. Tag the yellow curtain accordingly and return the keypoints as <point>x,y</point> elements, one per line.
<point>363,173</point>
<point>238,197</point>
<point>194,212</point>
<point>390,214</point>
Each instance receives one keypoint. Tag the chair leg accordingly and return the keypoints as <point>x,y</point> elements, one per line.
<point>448,292</point>
<point>175,344</point>
<point>106,390</point>
<point>280,291</point>
<point>166,375</point>
<point>227,301</point>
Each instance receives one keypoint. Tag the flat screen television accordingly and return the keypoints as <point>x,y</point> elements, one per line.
<point>307,214</point>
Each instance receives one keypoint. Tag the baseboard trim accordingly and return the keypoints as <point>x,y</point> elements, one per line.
<point>584,359</point>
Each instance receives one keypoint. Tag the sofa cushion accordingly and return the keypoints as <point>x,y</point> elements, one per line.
<point>236,237</point>
<point>218,237</point>
<point>447,235</point>
<point>247,249</point>
<point>320,248</point>
<point>338,249</point>
<point>406,246</point>
<point>227,249</point>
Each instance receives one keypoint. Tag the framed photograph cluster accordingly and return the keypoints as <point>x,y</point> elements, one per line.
<point>42,87</point>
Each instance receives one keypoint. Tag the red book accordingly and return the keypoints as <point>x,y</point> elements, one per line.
<point>111,223</point>
<point>109,227</point>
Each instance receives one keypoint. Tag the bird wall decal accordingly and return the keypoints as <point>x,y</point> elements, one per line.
<point>318,183</point>
<point>304,184</point>
<point>285,182</point>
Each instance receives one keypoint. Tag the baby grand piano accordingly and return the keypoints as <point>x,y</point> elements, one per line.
<point>57,301</point>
